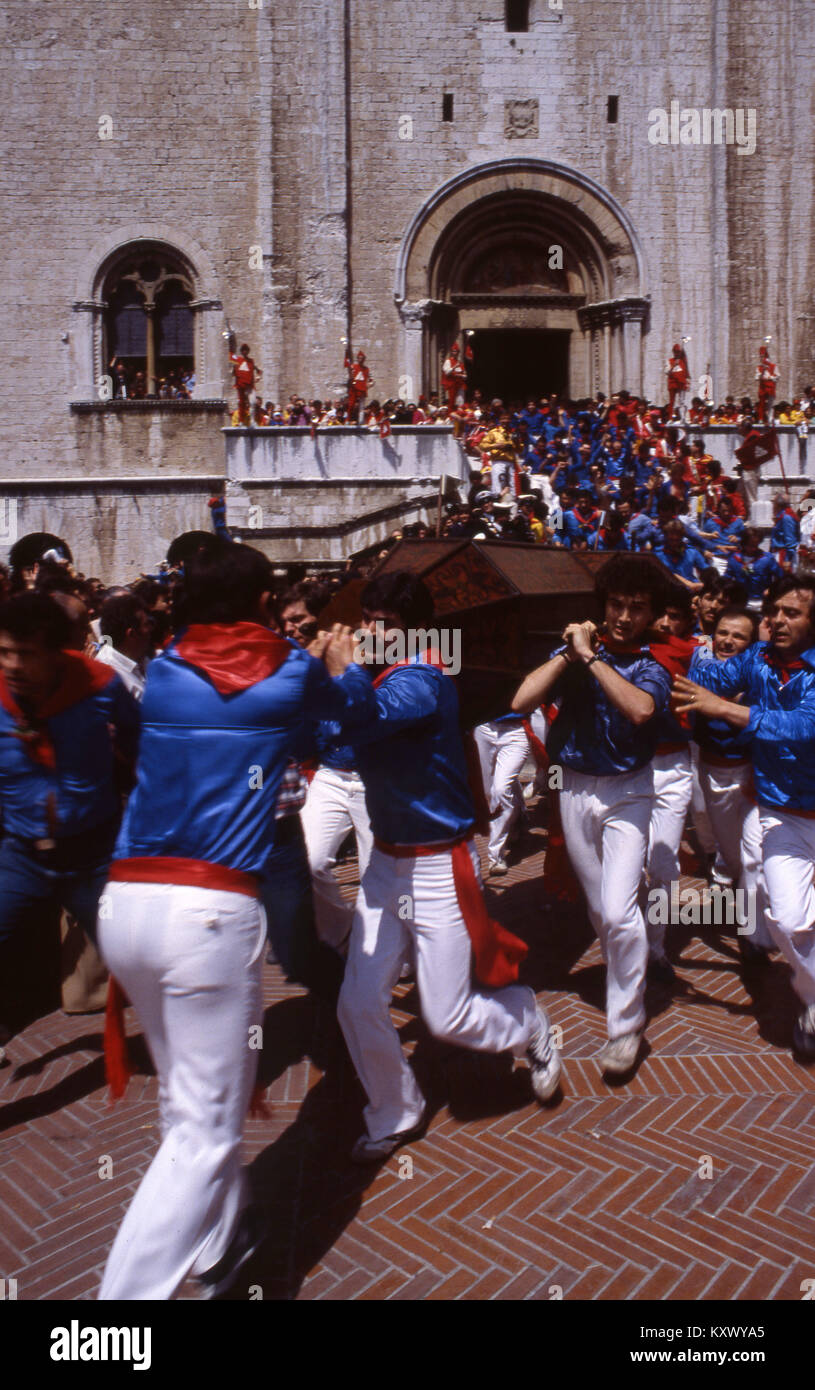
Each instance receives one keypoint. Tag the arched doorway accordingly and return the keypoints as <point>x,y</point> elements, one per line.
<point>539,268</point>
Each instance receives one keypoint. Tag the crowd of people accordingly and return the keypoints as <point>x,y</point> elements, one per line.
<point>182,758</point>
<point>131,384</point>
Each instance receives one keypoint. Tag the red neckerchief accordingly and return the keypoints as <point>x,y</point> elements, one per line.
<point>80,677</point>
<point>232,655</point>
<point>783,668</point>
<point>430,658</point>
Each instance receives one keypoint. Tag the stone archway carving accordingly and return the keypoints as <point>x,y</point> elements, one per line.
<point>528,205</point>
<point>89,305</point>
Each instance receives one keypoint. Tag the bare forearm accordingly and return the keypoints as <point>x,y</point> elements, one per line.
<point>540,683</point>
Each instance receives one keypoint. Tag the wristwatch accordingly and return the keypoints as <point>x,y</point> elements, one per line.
<point>592,659</point>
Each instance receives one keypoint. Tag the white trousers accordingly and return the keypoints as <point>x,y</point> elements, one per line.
<point>190,961</point>
<point>502,752</point>
<point>673,788</point>
<point>789,862</point>
<point>415,899</point>
<point>606,822</point>
<point>701,819</point>
<point>736,824</point>
<point>334,805</point>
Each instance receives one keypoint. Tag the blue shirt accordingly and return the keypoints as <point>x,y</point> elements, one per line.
<point>725,535</point>
<point>756,572</point>
<point>689,565</point>
<point>590,734</point>
<point>786,534</point>
<point>80,789</point>
<point>411,759</point>
<point>781,728</point>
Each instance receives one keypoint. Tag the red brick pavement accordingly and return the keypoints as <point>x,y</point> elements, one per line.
<point>598,1197</point>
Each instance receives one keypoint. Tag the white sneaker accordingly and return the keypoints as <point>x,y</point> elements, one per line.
<point>544,1059</point>
<point>497,868</point>
<point>619,1054</point>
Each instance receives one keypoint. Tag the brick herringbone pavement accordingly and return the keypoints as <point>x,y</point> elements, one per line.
<point>693,1180</point>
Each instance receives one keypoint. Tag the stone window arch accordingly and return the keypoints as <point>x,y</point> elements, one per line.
<point>147,294</point>
<point>149,324</point>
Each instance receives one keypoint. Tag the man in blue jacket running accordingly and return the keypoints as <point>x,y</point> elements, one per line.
<point>181,924</point>
<point>777,682</point>
<point>422,886</point>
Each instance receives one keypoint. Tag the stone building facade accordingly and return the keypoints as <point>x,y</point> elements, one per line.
<point>398,174</point>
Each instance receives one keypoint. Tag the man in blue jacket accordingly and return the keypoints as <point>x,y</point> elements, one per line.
<point>611,693</point>
<point>777,682</point>
<point>422,887</point>
<point>180,922</point>
<point>68,728</point>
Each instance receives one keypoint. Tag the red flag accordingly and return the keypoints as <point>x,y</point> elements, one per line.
<point>757,449</point>
<point>385,427</point>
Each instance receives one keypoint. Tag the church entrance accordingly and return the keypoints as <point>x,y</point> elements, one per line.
<point>538,267</point>
<point>518,364</point>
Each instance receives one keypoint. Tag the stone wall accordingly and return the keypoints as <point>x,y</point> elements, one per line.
<point>233,126</point>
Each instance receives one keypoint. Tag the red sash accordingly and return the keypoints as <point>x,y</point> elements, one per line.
<point>497,953</point>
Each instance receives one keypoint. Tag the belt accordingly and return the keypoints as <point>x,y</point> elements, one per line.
<point>71,851</point>
<point>412,851</point>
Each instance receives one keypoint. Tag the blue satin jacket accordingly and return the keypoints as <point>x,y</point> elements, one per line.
<point>590,734</point>
<point>411,759</point>
<point>210,765</point>
<point>81,787</point>
<point>782,721</point>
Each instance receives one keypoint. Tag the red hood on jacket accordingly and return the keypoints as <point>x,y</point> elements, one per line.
<point>232,655</point>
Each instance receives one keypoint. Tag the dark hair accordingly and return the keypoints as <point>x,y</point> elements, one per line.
<point>149,591</point>
<point>191,543</point>
<point>29,549</point>
<point>402,593</point>
<point>222,584</point>
<point>119,615</point>
<point>312,593</point>
<point>35,615</point>
<point>633,574</point>
<point>788,585</point>
<point>53,578</point>
<point>736,612</point>
<point>677,596</point>
<point>731,590</point>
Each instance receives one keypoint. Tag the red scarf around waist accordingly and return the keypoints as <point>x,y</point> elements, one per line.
<point>497,953</point>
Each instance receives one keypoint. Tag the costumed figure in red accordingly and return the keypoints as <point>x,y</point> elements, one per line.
<point>359,380</point>
<point>678,378</point>
<point>246,374</point>
<point>454,378</point>
<point>766,375</point>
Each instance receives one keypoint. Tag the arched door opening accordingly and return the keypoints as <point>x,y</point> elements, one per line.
<point>538,267</point>
<point>519,364</point>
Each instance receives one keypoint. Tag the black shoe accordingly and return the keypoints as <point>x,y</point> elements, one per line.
<point>803,1037</point>
<point>661,971</point>
<point>367,1150</point>
<point>250,1234</point>
<point>753,954</point>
